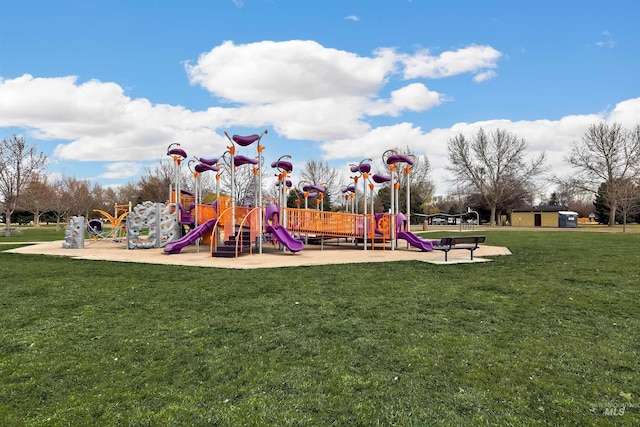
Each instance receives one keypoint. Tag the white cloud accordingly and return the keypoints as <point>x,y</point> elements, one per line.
<point>374,142</point>
<point>606,40</point>
<point>119,170</point>
<point>100,122</point>
<point>626,112</point>
<point>554,137</point>
<point>353,18</point>
<point>302,90</point>
<point>484,76</point>
<point>269,72</point>
<point>414,97</point>
<point>472,59</point>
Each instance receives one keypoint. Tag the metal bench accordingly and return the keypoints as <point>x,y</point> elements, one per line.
<point>470,243</point>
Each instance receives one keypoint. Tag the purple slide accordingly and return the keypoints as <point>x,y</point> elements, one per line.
<point>415,241</point>
<point>284,237</point>
<point>175,246</point>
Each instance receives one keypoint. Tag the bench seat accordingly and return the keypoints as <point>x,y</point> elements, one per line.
<point>470,243</point>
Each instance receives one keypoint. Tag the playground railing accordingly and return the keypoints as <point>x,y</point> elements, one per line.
<point>332,224</point>
<point>223,226</point>
<point>251,222</point>
<point>313,222</point>
<point>233,220</point>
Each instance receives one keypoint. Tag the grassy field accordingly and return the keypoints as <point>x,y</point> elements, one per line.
<point>547,336</point>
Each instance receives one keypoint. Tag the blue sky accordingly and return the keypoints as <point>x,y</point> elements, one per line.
<point>104,87</point>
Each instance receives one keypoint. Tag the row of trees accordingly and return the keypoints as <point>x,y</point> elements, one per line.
<point>26,189</point>
<point>490,172</point>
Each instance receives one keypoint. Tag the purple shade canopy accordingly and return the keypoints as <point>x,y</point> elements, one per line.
<point>243,160</point>
<point>287,183</point>
<point>350,187</point>
<point>379,179</point>
<point>316,188</point>
<point>309,195</point>
<point>399,158</point>
<point>177,152</point>
<point>209,162</point>
<point>283,164</point>
<point>245,140</point>
<point>362,167</point>
<point>203,167</point>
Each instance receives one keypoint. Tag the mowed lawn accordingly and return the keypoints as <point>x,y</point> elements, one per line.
<point>547,336</point>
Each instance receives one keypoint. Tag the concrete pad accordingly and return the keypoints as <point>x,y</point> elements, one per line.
<point>344,253</point>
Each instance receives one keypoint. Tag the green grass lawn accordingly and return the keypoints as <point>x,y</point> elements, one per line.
<point>32,234</point>
<point>547,336</point>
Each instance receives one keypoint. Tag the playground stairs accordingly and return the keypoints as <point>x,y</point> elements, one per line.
<point>228,248</point>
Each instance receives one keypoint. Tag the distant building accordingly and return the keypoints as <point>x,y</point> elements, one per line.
<point>544,216</point>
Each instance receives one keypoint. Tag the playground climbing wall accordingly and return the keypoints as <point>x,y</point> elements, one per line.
<point>152,225</point>
<point>74,233</point>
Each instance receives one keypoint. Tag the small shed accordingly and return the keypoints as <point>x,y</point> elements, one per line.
<point>543,216</point>
<point>567,219</point>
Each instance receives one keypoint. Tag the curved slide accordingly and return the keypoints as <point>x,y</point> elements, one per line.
<point>175,246</point>
<point>284,237</point>
<point>415,241</point>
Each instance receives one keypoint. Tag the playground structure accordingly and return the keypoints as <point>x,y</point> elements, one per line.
<point>230,230</point>
<point>117,230</point>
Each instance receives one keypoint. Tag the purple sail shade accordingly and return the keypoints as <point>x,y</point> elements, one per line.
<point>243,160</point>
<point>316,188</point>
<point>379,179</point>
<point>362,167</point>
<point>287,183</point>
<point>283,164</point>
<point>245,140</point>
<point>203,167</point>
<point>399,158</point>
<point>177,152</point>
<point>209,162</point>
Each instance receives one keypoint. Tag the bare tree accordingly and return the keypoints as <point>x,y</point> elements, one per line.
<point>79,196</point>
<point>627,196</point>
<point>60,205</point>
<point>566,191</point>
<point>610,154</point>
<point>19,165</point>
<point>493,165</point>
<point>38,198</point>
<point>418,179</point>
<point>245,182</point>
<point>111,197</point>
<point>155,183</point>
<point>320,173</point>
<point>421,185</point>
